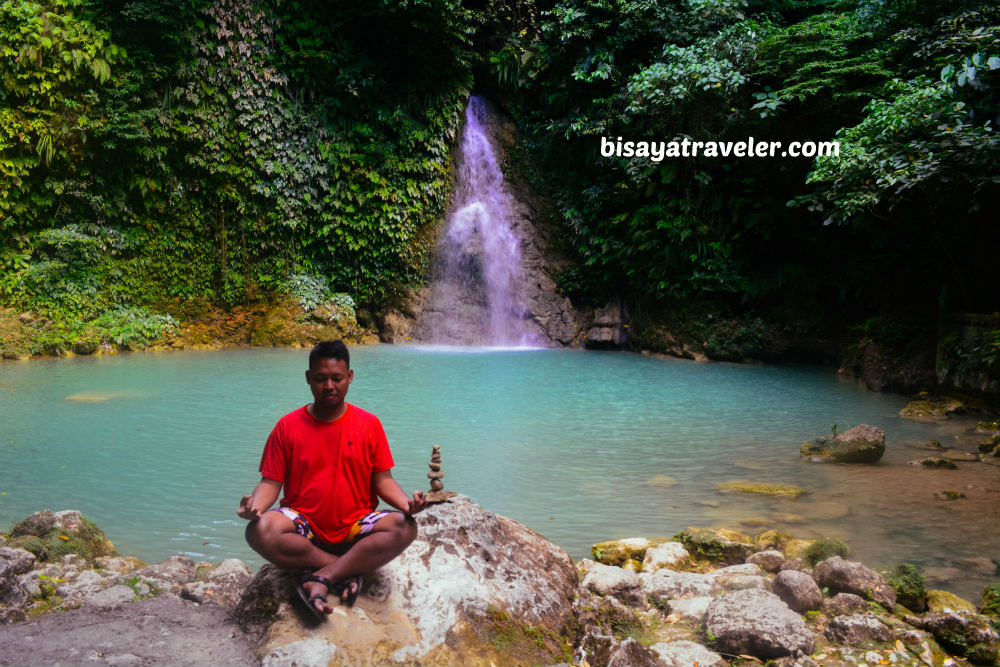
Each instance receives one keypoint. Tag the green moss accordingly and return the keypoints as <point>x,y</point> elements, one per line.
<point>944,464</point>
<point>761,488</point>
<point>524,643</point>
<point>908,583</point>
<point>824,548</point>
<point>991,601</point>
<point>949,494</point>
<point>717,546</point>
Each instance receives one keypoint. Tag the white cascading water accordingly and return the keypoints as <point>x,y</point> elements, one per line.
<point>476,297</point>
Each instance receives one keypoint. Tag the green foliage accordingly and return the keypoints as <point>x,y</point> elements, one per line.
<point>908,583</point>
<point>824,548</point>
<point>130,327</point>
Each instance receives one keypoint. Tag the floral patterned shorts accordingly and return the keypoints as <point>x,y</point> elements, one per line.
<point>359,528</point>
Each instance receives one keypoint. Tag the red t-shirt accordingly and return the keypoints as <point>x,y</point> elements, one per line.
<point>327,467</point>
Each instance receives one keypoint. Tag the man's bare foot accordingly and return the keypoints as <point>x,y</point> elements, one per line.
<point>348,588</point>
<point>317,588</point>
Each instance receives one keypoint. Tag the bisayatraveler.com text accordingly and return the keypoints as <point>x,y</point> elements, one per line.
<point>749,147</point>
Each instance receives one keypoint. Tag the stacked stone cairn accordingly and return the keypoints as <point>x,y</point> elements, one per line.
<point>437,493</point>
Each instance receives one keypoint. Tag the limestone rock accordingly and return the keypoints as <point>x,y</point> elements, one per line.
<point>931,410</point>
<point>668,554</point>
<point>607,330</point>
<point>110,598</point>
<point>13,597</point>
<point>630,652</point>
<point>685,653</point>
<point>468,576</point>
<point>939,601</point>
<point>223,584</point>
<point>20,560</point>
<point>844,603</point>
<point>668,584</point>
<point>719,546</point>
<point>862,444</point>
<point>758,623</point>
<point>52,535</point>
<point>690,608</point>
<point>119,564</point>
<point>968,635</point>
<point>844,576</point>
<point>169,575</point>
<point>769,561</point>
<point>857,628</point>
<point>616,582</point>
<point>618,552</point>
<point>798,590</point>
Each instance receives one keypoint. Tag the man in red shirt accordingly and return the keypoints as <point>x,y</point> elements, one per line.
<point>333,461</point>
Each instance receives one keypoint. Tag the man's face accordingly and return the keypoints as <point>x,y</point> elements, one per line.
<point>329,379</point>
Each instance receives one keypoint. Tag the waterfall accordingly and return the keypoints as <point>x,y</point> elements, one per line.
<point>476,296</point>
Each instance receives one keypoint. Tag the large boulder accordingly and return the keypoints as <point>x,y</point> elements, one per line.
<point>856,629</point>
<point>967,635</point>
<point>845,576</point>
<point>473,589</point>
<point>622,584</point>
<point>757,623</point>
<point>798,590</point>
<point>862,444</point>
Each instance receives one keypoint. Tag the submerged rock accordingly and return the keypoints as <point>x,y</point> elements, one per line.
<point>927,409</point>
<point>761,488</point>
<point>862,444</point>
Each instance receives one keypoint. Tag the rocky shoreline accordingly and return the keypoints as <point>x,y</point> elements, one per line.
<point>479,589</point>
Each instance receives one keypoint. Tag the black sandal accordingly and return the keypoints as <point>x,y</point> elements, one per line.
<point>310,600</point>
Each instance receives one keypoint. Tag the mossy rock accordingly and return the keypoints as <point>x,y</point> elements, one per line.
<point>949,494</point>
<point>991,446</point>
<point>772,539</point>
<point>50,536</point>
<point>926,409</point>
<point>523,643</point>
<point>824,548</point>
<point>908,583</point>
<point>619,552</point>
<point>761,488</point>
<point>938,601</point>
<point>718,546</point>
<point>862,444</point>
<point>796,548</point>
<point>941,464</point>
<point>991,601</point>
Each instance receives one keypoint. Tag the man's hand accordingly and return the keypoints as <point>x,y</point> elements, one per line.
<point>247,509</point>
<point>417,503</point>
<point>252,507</point>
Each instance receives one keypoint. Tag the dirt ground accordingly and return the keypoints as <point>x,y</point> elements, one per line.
<point>163,630</point>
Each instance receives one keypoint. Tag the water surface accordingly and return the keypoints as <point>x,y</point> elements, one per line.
<point>157,448</point>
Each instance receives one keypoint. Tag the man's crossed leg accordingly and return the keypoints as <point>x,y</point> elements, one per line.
<point>286,542</point>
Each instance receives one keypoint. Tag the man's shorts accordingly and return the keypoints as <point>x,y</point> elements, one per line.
<point>359,528</point>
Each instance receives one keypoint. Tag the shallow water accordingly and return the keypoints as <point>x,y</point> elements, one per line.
<point>580,446</point>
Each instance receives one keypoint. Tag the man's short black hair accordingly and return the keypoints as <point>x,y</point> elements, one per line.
<point>330,349</point>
